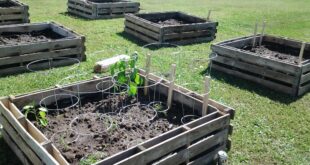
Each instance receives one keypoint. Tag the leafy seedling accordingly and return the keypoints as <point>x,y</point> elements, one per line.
<point>38,113</point>
<point>126,74</point>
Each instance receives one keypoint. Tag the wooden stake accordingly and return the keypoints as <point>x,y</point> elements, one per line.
<point>301,53</point>
<point>262,33</point>
<point>209,15</point>
<point>147,72</point>
<point>171,85</point>
<point>206,96</point>
<point>254,37</point>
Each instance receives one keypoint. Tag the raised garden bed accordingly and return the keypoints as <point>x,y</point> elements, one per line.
<point>97,9</point>
<point>13,12</point>
<point>171,27</point>
<point>274,64</point>
<point>25,43</point>
<point>138,136</point>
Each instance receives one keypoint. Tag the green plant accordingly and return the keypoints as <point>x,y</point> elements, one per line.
<point>38,113</point>
<point>126,73</point>
<point>93,158</point>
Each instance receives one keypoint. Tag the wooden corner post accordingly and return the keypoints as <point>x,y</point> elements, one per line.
<point>209,15</point>
<point>147,72</point>
<point>301,53</point>
<point>206,96</point>
<point>262,33</point>
<point>171,85</point>
<point>254,36</point>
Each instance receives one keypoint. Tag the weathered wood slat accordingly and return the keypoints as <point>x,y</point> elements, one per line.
<point>195,149</point>
<point>254,59</point>
<point>208,158</point>
<point>96,10</point>
<point>135,27</point>
<point>275,86</point>
<point>19,141</point>
<point>190,27</point>
<point>192,40</point>
<point>143,23</point>
<point>304,89</point>
<point>191,34</point>
<point>34,145</point>
<point>140,36</point>
<point>263,71</point>
<point>24,160</point>
<point>16,14</point>
<point>305,78</point>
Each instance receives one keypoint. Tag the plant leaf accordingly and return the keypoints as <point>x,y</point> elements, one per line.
<point>42,114</point>
<point>44,122</point>
<point>43,109</point>
<point>133,88</point>
<point>137,79</point>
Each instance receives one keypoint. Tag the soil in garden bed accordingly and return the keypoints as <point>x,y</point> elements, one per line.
<point>5,4</point>
<point>130,128</point>
<point>16,38</point>
<point>279,52</point>
<point>169,21</point>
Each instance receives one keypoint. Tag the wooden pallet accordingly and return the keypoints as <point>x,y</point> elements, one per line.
<point>101,9</point>
<point>15,14</point>
<point>196,142</point>
<point>14,58</point>
<point>142,27</point>
<point>284,77</point>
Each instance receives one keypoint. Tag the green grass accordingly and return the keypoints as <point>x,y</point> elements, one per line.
<point>269,128</point>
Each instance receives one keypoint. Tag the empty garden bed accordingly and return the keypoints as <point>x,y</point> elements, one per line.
<point>170,27</point>
<point>276,63</point>
<point>95,124</point>
<point>13,12</point>
<point>25,43</point>
<point>97,9</point>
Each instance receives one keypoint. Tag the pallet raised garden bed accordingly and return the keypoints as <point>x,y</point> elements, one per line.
<point>274,64</point>
<point>13,12</point>
<point>170,27</point>
<point>25,43</point>
<point>102,9</point>
<point>163,140</point>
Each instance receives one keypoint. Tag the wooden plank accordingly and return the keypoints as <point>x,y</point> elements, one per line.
<point>11,10</point>
<point>142,30</point>
<point>306,68</point>
<point>142,22</point>
<point>24,27</point>
<point>190,27</point>
<point>285,41</point>
<point>19,141</point>
<point>304,89</point>
<point>81,8</point>
<point>305,78</point>
<point>34,145</point>
<point>116,10</point>
<point>255,59</point>
<point>140,36</point>
<point>78,13</point>
<point>263,71</point>
<point>191,34</point>
<point>270,84</point>
<point>13,50</point>
<point>176,142</point>
<point>117,4</point>
<point>39,55</point>
<point>195,149</point>
<point>15,148</point>
<point>38,66</point>
<point>208,158</point>
<point>11,17</point>
<point>192,40</point>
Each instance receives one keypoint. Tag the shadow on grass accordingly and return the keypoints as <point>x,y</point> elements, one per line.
<point>251,86</point>
<point>7,156</point>
<point>131,38</point>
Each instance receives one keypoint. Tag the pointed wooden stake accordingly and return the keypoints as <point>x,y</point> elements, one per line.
<point>147,72</point>
<point>254,36</point>
<point>262,33</point>
<point>206,96</point>
<point>171,85</point>
<point>301,53</point>
<point>209,15</point>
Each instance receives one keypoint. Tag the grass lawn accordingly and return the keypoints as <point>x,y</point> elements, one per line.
<point>269,128</point>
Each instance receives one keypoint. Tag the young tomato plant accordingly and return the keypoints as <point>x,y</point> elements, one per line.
<point>39,114</point>
<point>126,73</point>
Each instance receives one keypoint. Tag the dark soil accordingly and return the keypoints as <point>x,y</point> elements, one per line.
<point>7,4</point>
<point>16,38</point>
<point>278,52</point>
<point>132,127</point>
